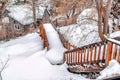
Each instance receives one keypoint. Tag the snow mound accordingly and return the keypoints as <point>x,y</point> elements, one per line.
<point>31,68</point>
<point>55,54</point>
<point>85,31</point>
<point>111,69</point>
<point>37,67</point>
<point>88,16</point>
<point>80,35</point>
<point>26,46</point>
<point>23,13</point>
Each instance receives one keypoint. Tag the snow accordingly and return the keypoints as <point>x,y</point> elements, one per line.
<point>23,13</point>
<point>85,31</point>
<point>55,54</point>
<point>88,16</point>
<point>24,45</point>
<point>112,40</point>
<point>80,35</point>
<point>115,34</point>
<point>5,20</point>
<point>37,65</point>
<point>34,66</point>
<point>0,27</point>
<point>111,69</point>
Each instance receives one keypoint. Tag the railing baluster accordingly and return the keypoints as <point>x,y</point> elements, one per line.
<point>114,52</point>
<point>119,54</point>
<point>87,55</point>
<point>90,54</point>
<point>72,57</point>
<point>68,58</point>
<point>104,49</point>
<point>109,53</point>
<point>95,48</point>
<point>99,51</point>
<point>77,62</point>
<point>84,54</point>
<point>80,57</point>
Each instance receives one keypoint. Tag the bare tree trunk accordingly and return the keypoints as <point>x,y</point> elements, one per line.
<point>103,17</point>
<point>34,12</point>
<point>100,18</point>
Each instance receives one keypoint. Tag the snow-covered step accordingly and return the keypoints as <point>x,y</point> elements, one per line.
<point>52,36</point>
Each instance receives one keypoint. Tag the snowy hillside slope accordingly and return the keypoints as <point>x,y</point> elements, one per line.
<point>85,31</point>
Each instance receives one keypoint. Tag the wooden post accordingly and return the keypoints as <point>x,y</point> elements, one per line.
<point>109,54</point>
<point>34,12</point>
<point>95,47</point>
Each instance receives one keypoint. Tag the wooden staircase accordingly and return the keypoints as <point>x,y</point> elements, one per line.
<point>90,58</point>
<point>93,57</point>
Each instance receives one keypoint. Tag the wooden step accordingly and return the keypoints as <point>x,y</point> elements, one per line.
<point>80,69</point>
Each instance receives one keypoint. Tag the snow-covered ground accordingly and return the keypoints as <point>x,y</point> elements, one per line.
<point>29,61</point>
<point>112,69</point>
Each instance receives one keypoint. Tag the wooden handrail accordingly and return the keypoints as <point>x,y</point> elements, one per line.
<point>44,36</point>
<point>94,53</point>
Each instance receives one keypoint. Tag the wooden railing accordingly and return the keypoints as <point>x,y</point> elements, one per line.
<point>101,52</point>
<point>44,36</point>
